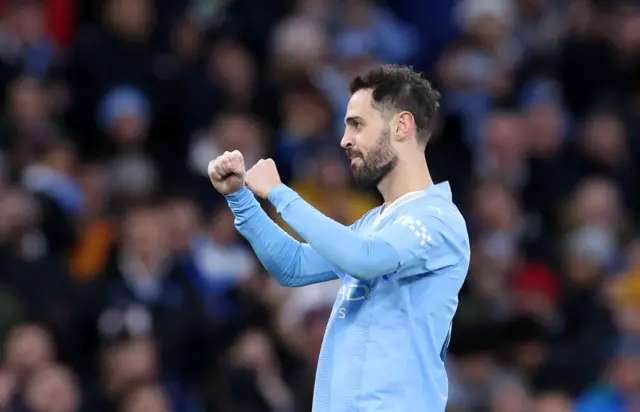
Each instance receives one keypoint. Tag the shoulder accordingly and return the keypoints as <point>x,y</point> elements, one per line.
<point>429,233</point>
<point>438,217</point>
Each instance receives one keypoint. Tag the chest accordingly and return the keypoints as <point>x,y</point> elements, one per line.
<point>354,294</point>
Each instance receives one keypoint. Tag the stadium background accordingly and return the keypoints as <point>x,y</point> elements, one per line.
<point>124,287</point>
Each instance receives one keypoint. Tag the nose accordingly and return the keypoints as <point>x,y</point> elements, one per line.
<point>346,142</point>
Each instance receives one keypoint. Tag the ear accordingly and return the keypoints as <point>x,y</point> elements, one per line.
<point>403,126</point>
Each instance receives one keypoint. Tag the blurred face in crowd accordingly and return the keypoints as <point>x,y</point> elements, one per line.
<point>131,18</point>
<point>27,102</point>
<point>494,206</point>
<point>367,140</point>
<point>544,129</point>
<point>61,157</point>
<point>128,363</point>
<point>580,271</point>
<point>188,40</point>
<point>52,389</point>
<point>532,6</point>
<point>633,254</point>
<point>529,355</point>
<point>27,22</point>
<point>605,140</point>
<point>93,182</point>
<point>597,202</point>
<point>184,220</point>
<point>17,214</point>
<point>358,13</point>
<point>627,317</point>
<point>510,398</point>
<point>145,232</point>
<point>312,328</point>
<point>148,398</point>
<point>552,402</point>
<point>27,348</point>
<point>625,373</point>
<point>490,30</point>
<point>129,129</point>
<point>299,45</point>
<point>233,68</point>
<point>306,114</point>
<point>504,139</point>
<point>331,173</point>
<point>314,8</point>
<point>254,351</point>
<point>476,367</point>
<point>222,227</point>
<point>239,132</point>
<point>626,30</point>
<point>7,388</point>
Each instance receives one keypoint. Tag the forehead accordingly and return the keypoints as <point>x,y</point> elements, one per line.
<point>360,104</point>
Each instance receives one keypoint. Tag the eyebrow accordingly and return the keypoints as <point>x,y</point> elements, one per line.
<point>353,119</point>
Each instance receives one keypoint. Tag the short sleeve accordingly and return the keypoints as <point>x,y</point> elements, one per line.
<point>426,240</point>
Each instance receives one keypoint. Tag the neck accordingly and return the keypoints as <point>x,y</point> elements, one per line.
<point>412,175</point>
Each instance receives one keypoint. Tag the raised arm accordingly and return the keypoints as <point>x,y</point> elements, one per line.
<point>361,256</point>
<point>290,262</point>
<point>417,242</point>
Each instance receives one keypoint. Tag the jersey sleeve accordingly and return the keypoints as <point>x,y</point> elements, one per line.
<point>290,262</point>
<point>426,239</point>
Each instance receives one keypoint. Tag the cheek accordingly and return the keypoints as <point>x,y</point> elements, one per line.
<point>366,141</point>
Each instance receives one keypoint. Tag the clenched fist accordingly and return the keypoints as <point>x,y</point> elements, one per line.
<point>227,172</point>
<point>263,177</point>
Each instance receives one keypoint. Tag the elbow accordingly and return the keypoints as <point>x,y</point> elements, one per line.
<point>366,269</point>
<point>286,281</point>
<point>371,267</point>
<point>282,277</point>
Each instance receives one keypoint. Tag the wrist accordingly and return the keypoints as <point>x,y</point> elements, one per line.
<point>275,190</point>
<point>239,198</point>
<point>281,195</point>
<point>238,193</point>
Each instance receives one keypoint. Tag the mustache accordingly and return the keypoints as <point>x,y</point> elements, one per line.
<point>354,153</point>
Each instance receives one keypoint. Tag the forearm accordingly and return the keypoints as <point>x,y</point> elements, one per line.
<point>362,257</point>
<point>290,262</point>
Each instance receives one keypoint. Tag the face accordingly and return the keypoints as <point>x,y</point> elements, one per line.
<point>131,17</point>
<point>28,103</point>
<point>367,141</point>
<point>27,348</point>
<point>133,361</point>
<point>144,234</point>
<point>52,388</point>
<point>147,399</point>
<point>553,402</point>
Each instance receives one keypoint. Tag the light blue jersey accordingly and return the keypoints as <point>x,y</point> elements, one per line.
<point>401,266</point>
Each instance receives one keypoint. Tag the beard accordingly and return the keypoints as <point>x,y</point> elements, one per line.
<point>376,164</point>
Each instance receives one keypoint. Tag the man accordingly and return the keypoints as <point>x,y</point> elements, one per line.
<point>402,264</point>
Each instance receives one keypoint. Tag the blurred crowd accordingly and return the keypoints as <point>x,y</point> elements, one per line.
<point>124,286</point>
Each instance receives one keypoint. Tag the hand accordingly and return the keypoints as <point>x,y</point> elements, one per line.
<point>263,177</point>
<point>227,172</point>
